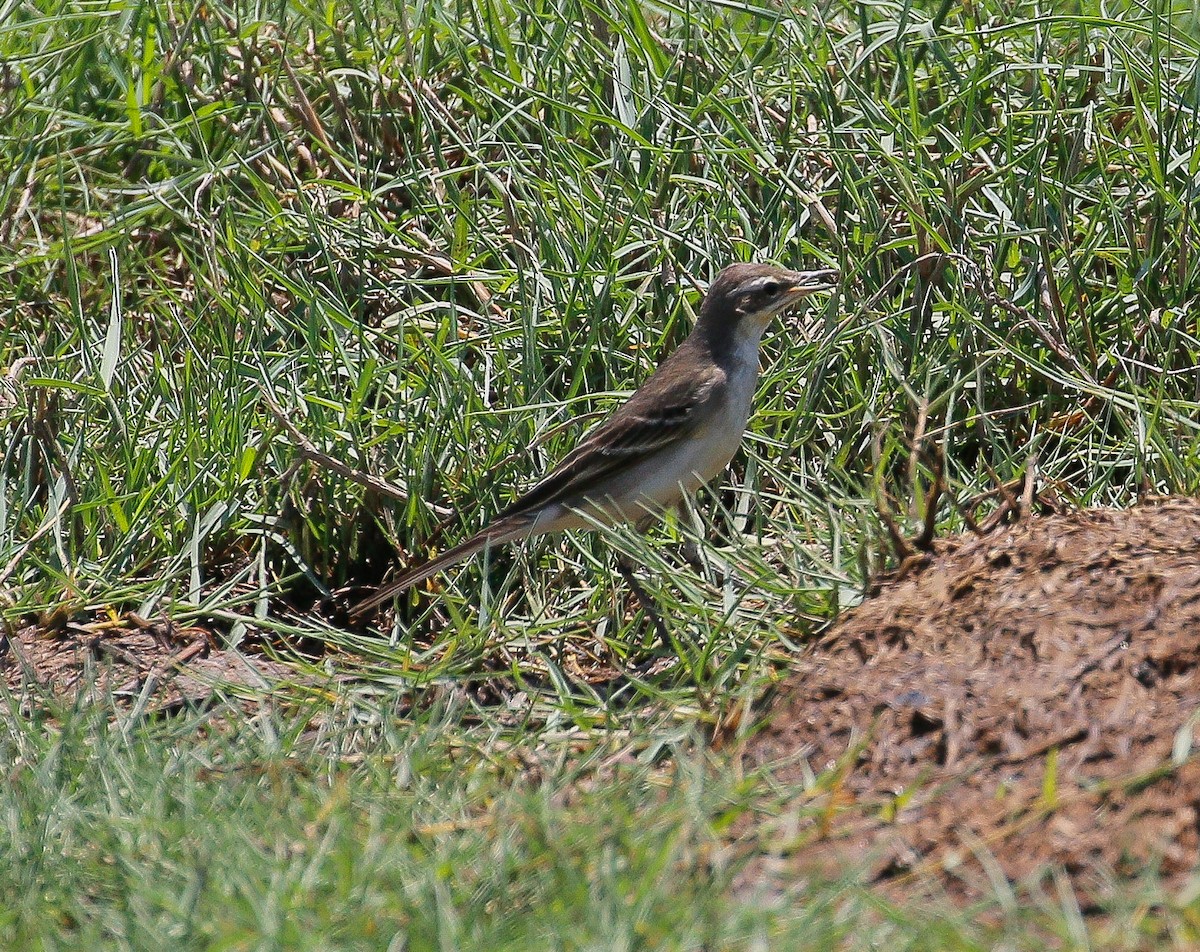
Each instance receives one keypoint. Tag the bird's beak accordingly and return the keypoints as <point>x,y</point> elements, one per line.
<point>804,283</point>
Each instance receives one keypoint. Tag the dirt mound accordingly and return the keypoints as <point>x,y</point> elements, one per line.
<point>156,665</point>
<point>1020,699</point>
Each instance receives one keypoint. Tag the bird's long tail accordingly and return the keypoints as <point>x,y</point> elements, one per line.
<point>499,532</point>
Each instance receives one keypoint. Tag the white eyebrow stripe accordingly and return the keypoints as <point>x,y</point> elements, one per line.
<point>757,284</point>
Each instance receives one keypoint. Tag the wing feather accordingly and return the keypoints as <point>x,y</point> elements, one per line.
<point>666,410</point>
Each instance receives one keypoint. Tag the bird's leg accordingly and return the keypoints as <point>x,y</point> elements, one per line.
<point>712,568</point>
<point>626,569</point>
<point>690,551</point>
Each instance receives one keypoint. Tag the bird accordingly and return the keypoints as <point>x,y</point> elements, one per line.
<point>677,432</point>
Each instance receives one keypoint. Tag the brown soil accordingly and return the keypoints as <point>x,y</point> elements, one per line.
<point>156,665</point>
<point>1012,704</point>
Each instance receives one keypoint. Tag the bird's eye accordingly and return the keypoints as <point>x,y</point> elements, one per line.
<point>770,289</point>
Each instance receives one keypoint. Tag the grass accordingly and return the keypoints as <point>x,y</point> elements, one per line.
<point>374,832</point>
<point>437,235</point>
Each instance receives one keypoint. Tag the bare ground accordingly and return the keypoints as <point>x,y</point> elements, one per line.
<point>1018,701</point>
<point>158,666</point>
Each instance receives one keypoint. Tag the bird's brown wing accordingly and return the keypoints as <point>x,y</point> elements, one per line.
<point>667,408</point>
<point>664,411</point>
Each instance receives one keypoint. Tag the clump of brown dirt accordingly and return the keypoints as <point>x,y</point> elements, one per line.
<point>1026,697</point>
<point>127,659</point>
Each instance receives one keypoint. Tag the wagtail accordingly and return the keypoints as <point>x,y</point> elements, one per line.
<point>677,432</point>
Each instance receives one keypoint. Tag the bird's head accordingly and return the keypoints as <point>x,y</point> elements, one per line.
<point>744,297</point>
